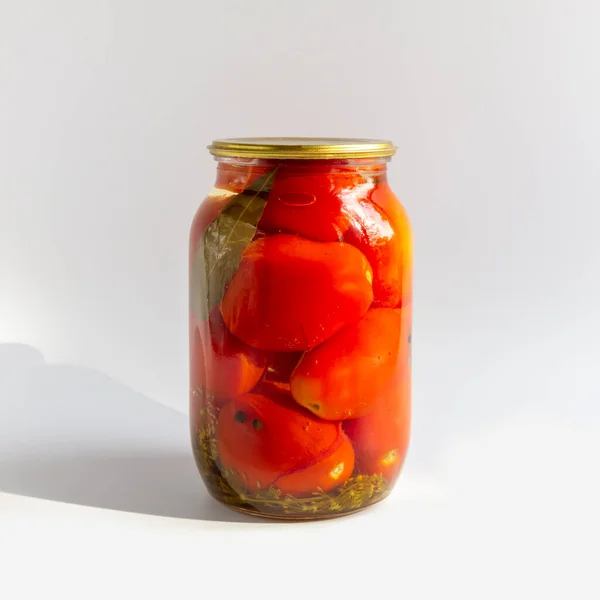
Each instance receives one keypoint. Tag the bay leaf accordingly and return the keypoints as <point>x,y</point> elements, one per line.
<point>219,252</point>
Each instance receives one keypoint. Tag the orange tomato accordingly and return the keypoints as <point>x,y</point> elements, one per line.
<point>265,437</point>
<point>382,437</point>
<point>221,364</point>
<point>324,474</point>
<point>341,378</point>
<point>317,205</point>
<point>383,234</point>
<point>291,294</point>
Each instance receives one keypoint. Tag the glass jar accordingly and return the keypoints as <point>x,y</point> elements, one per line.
<point>300,327</point>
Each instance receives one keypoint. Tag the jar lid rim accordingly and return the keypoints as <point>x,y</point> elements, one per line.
<point>301,147</point>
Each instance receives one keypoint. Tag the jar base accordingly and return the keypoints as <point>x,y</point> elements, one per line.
<point>297,518</point>
<point>356,494</point>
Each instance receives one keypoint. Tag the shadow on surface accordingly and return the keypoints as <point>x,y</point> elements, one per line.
<point>71,434</point>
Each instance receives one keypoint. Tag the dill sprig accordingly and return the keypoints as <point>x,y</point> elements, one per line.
<point>356,493</point>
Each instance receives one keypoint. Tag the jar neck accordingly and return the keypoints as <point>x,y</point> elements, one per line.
<point>350,163</point>
<point>236,173</point>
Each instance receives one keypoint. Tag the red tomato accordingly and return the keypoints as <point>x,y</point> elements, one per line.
<point>263,437</point>
<point>290,293</point>
<point>221,364</point>
<point>341,378</point>
<point>316,205</point>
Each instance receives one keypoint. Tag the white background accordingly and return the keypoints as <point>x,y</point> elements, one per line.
<point>106,108</point>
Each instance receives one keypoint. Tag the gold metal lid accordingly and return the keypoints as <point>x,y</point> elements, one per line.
<point>301,148</point>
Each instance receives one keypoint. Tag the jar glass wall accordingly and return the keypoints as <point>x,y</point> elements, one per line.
<point>300,330</point>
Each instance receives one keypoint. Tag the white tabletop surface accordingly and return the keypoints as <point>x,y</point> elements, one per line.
<point>99,491</point>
